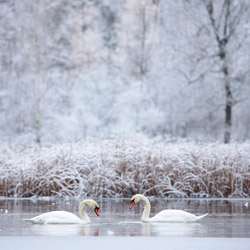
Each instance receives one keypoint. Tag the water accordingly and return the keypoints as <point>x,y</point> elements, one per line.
<point>227,218</point>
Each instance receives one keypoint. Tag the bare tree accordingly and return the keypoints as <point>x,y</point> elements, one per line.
<point>32,76</point>
<point>140,29</point>
<point>224,28</point>
<point>225,36</point>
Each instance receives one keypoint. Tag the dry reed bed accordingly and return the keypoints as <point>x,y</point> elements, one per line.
<point>122,167</point>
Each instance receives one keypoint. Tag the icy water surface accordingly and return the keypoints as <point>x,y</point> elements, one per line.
<point>227,218</point>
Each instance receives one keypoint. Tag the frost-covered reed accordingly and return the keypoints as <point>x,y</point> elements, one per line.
<point>121,167</point>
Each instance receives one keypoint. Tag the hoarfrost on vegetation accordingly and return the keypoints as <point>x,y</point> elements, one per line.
<point>77,69</point>
<point>120,167</point>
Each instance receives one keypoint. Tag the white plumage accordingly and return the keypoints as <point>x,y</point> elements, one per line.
<point>169,215</point>
<point>63,217</point>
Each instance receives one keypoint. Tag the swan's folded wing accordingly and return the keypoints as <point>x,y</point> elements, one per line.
<point>172,215</point>
<point>55,217</point>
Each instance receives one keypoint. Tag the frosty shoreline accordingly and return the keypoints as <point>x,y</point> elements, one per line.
<point>122,167</point>
<point>123,243</point>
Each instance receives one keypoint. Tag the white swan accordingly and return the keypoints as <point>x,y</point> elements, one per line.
<point>165,215</point>
<point>63,217</point>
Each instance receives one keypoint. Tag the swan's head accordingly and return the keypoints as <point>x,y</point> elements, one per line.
<point>93,205</point>
<point>135,199</point>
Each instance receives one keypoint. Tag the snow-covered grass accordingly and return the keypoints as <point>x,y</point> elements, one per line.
<point>121,167</point>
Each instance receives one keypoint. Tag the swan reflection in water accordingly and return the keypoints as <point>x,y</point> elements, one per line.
<point>61,229</point>
<point>171,229</point>
<point>120,229</point>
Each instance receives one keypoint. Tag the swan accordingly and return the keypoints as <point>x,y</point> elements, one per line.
<point>165,215</point>
<point>63,217</point>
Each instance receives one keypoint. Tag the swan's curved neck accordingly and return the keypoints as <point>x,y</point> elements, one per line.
<point>147,208</point>
<point>82,212</point>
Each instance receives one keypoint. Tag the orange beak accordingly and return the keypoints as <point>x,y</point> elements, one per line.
<point>132,204</point>
<point>96,211</point>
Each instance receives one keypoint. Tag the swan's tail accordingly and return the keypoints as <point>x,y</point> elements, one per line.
<point>34,220</point>
<point>30,220</point>
<point>201,217</point>
<point>25,219</point>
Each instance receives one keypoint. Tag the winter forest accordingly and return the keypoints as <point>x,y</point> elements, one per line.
<point>109,98</point>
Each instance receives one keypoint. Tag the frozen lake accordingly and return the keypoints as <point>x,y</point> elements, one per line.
<point>228,221</point>
<point>226,218</point>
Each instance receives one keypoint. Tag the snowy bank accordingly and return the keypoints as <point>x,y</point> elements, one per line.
<point>147,243</point>
<point>121,167</point>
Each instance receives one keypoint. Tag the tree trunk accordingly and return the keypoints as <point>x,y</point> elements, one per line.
<point>37,114</point>
<point>222,41</point>
<point>228,113</point>
<point>229,98</point>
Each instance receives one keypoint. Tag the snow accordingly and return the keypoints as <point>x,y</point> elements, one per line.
<point>109,243</point>
<point>120,166</point>
<point>94,68</point>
